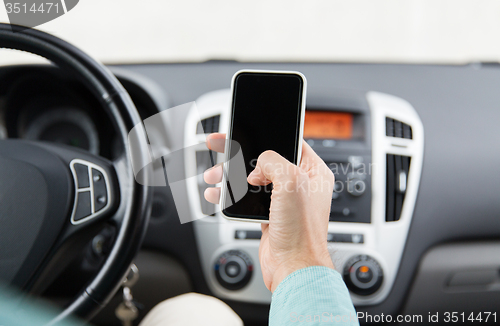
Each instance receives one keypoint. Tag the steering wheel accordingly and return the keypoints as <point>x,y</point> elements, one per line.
<point>55,197</point>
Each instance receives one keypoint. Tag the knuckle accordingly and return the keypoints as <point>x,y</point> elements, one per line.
<point>327,174</point>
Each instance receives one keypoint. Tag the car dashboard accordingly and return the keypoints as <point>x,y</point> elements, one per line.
<point>412,150</point>
<point>374,181</point>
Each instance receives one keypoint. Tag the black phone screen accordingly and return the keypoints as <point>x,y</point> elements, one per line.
<point>265,115</point>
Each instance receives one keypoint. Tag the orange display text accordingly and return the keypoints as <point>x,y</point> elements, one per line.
<point>328,125</point>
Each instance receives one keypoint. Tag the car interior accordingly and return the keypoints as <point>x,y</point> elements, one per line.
<point>413,147</point>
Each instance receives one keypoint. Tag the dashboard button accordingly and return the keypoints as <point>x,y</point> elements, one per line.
<point>357,238</point>
<point>341,211</point>
<point>339,237</point>
<point>356,162</point>
<point>356,185</point>
<point>345,237</point>
<point>328,143</point>
<point>247,235</point>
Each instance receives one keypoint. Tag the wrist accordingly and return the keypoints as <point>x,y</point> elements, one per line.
<point>292,266</point>
<point>283,271</point>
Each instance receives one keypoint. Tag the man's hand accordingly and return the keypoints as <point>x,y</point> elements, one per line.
<point>296,236</point>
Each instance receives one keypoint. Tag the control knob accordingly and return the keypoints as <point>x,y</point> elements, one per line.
<point>363,275</point>
<point>356,185</point>
<point>233,269</point>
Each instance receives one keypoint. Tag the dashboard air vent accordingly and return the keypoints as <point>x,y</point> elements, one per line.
<point>208,125</point>
<point>398,168</point>
<point>398,129</point>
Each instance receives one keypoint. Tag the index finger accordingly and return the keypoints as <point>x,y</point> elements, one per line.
<point>216,142</point>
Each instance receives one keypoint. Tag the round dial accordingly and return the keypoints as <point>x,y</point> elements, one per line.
<point>67,126</point>
<point>356,185</point>
<point>233,269</point>
<point>363,275</point>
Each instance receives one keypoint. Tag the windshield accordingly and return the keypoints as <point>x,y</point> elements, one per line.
<point>127,31</point>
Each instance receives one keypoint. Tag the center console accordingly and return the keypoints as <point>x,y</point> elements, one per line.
<point>373,142</point>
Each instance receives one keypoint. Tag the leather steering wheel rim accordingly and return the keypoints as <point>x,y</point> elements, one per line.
<point>133,196</point>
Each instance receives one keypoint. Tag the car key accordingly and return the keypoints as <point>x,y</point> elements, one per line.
<point>126,311</point>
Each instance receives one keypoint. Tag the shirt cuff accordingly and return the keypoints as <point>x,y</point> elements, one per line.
<point>311,292</point>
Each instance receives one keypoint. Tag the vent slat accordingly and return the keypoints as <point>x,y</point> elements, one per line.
<point>389,127</point>
<point>208,125</point>
<point>399,196</point>
<point>397,171</point>
<point>389,210</point>
<point>398,129</point>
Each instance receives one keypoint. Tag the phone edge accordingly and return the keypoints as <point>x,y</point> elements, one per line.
<point>226,152</point>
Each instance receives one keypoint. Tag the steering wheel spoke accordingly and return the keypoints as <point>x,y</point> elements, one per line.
<point>82,189</point>
<point>95,184</point>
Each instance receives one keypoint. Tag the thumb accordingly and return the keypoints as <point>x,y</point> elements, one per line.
<point>271,167</point>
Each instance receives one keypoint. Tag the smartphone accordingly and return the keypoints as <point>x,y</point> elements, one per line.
<point>267,113</point>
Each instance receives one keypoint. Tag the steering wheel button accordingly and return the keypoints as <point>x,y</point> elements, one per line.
<point>100,203</point>
<point>83,205</point>
<point>100,192</point>
<point>97,177</point>
<point>82,175</point>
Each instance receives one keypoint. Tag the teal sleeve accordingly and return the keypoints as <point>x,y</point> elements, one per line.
<point>16,310</point>
<point>314,295</point>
